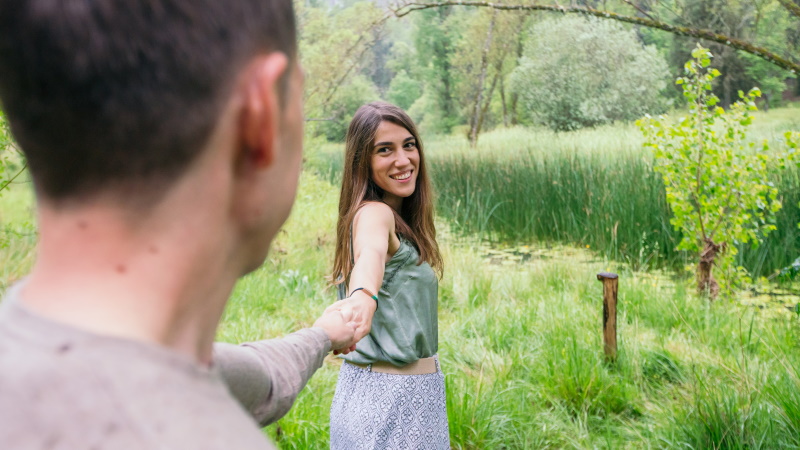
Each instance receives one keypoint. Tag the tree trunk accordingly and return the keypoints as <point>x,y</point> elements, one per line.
<point>503,100</point>
<point>476,110</point>
<point>514,96</point>
<point>486,103</point>
<point>706,284</point>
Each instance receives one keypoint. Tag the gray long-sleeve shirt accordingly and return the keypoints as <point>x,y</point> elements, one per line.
<point>64,388</point>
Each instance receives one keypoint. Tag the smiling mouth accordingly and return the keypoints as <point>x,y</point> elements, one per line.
<point>401,176</point>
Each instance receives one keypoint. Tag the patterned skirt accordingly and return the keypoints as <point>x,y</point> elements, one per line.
<point>373,410</point>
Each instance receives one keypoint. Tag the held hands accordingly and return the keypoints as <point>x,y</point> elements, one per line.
<point>360,308</point>
<point>348,321</point>
<point>341,329</point>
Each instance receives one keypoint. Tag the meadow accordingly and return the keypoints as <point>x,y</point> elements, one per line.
<point>521,309</point>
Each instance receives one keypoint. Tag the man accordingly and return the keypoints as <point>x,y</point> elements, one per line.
<point>164,140</point>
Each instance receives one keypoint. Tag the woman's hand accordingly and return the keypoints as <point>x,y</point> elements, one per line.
<point>360,308</point>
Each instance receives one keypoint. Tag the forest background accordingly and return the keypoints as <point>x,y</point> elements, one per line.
<point>542,181</point>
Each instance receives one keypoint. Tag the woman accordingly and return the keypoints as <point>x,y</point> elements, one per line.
<point>390,392</point>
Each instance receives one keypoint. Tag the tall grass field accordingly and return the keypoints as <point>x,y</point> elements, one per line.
<point>592,187</point>
<point>520,331</point>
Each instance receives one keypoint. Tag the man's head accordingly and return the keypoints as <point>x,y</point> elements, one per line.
<point>121,96</point>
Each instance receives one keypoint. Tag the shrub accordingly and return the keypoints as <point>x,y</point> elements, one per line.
<point>578,72</point>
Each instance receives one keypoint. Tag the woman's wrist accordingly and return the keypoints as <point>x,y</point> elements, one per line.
<point>365,292</point>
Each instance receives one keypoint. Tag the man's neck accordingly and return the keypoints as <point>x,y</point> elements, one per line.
<point>164,282</point>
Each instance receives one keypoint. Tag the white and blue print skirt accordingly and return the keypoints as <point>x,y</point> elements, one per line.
<point>373,410</point>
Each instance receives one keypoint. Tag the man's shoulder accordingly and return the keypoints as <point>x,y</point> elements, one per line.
<point>106,393</point>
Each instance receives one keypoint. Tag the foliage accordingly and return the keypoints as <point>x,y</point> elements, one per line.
<point>716,181</point>
<point>501,58</point>
<point>520,344</point>
<point>765,22</point>
<point>11,164</point>
<point>403,91</point>
<point>590,187</point>
<point>344,103</point>
<point>334,47</point>
<point>579,72</point>
<point>433,40</point>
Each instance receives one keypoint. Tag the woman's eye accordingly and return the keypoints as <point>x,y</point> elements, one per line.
<point>383,150</point>
<point>411,144</point>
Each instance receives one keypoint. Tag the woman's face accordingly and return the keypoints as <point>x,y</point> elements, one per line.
<point>394,163</point>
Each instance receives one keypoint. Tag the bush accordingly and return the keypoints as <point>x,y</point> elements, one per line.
<point>578,72</point>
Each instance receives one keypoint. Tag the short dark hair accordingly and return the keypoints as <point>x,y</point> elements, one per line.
<point>123,95</point>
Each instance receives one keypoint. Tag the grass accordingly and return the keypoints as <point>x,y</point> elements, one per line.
<point>520,341</point>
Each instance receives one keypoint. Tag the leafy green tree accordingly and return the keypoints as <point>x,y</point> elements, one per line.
<point>334,48</point>
<point>347,99</point>
<point>437,111</point>
<point>716,180</point>
<point>404,90</point>
<point>481,61</point>
<point>579,72</point>
<point>762,21</point>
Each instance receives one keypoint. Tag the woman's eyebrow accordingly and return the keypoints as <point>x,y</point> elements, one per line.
<point>381,144</point>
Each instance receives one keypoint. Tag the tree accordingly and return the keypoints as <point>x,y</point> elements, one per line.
<point>404,90</point>
<point>344,103</point>
<point>436,110</point>
<point>579,72</point>
<point>762,21</point>
<point>334,45</point>
<point>482,60</point>
<point>642,18</point>
<point>716,180</point>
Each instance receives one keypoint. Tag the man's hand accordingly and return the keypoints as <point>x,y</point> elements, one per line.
<point>340,328</point>
<point>360,308</point>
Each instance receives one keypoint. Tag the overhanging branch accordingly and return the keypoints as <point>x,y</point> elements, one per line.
<point>791,6</point>
<point>405,8</point>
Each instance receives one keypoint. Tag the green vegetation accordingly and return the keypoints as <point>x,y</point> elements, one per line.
<point>578,72</point>
<point>716,179</point>
<point>461,69</point>
<point>521,344</point>
<point>593,187</point>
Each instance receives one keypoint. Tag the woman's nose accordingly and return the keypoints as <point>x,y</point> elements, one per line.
<point>402,159</point>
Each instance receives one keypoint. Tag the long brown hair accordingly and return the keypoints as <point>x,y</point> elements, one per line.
<point>415,220</point>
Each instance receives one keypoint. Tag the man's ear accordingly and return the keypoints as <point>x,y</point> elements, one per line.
<point>260,113</point>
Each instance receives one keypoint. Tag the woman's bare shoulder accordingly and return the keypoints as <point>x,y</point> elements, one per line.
<point>375,209</point>
<point>375,213</point>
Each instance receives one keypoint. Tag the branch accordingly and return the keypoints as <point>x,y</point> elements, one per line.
<point>6,183</point>
<point>791,6</point>
<point>354,62</point>
<point>739,44</point>
<point>643,12</point>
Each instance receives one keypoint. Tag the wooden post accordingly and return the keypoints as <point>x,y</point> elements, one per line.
<point>609,314</point>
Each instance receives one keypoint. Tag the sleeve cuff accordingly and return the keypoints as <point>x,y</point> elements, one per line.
<point>319,335</point>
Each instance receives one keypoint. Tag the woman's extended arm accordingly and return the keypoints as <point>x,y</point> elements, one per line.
<point>373,236</point>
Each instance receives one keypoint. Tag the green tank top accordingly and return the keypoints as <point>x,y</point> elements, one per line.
<point>405,327</point>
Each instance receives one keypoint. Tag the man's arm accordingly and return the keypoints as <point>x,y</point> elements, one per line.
<point>266,376</point>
